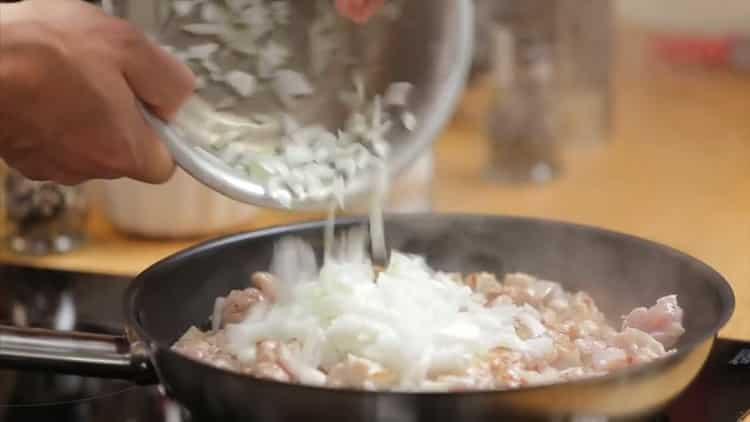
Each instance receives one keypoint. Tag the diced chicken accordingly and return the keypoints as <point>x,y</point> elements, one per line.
<point>565,336</point>
<point>663,321</point>
<point>267,284</point>
<point>484,283</point>
<point>457,383</point>
<point>583,308</point>
<point>270,371</point>
<point>270,359</point>
<point>238,304</point>
<point>506,365</point>
<point>640,346</point>
<point>206,348</point>
<point>526,289</point>
<point>501,300</point>
<point>356,372</point>
<point>573,373</point>
<point>545,376</point>
<point>588,328</point>
<point>609,359</point>
<point>568,355</point>
<point>588,347</point>
<point>518,280</point>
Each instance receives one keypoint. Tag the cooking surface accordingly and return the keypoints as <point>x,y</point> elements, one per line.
<point>93,302</point>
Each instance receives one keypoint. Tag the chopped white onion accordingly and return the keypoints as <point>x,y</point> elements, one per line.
<point>202,51</point>
<point>409,120</point>
<point>205,28</point>
<point>183,7</point>
<point>225,103</point>
<point>243,83</point>
<point>397,94</point>
<point>271,57</point>
<point>290,84</point>
<point>281,12</point>
<point>212,13</point>
<point>200,82</point>
<point>218,309</point>
<point>388,321</point>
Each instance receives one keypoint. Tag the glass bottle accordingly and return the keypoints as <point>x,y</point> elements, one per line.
<point>522,119</point>
<point>43,217</point>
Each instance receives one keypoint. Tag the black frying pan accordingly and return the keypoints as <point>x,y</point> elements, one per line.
<point>620,271</point>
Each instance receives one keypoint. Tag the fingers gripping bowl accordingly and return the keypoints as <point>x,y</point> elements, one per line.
<point>619,272</point>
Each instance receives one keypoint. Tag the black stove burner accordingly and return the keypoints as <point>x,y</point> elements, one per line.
<point>720,393</point>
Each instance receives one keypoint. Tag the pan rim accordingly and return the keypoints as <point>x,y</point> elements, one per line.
<point>723,288</point>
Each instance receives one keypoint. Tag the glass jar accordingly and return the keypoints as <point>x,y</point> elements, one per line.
<point>43,217</point>
<point>522,119</point>
<point>585,45</point>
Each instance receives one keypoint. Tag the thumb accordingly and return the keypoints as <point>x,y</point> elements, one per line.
<point>153,161</point>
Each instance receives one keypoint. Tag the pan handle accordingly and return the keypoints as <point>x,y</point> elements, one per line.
<point>75,353</point>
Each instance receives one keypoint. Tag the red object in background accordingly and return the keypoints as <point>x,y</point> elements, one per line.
<point>727,51</point>
<point>358,10</point>
<point>685,50</point>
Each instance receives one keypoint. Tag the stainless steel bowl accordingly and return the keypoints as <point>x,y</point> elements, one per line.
<point>429,46</point>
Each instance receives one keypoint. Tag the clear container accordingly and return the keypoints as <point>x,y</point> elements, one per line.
<point>521,121</point>
<point>42,217</point>
<point>551,71</point>
<point>585,45</point>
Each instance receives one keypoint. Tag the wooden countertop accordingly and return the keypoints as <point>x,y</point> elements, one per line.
<point>677,171</point>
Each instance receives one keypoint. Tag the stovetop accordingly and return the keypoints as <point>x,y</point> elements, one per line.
<point>61,300</point>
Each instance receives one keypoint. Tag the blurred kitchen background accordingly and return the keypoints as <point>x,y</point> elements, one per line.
<point>631,114</point>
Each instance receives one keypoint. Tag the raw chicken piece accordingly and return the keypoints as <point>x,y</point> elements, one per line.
<point>567,356</point>
<point>266,283</point>
<point>359,11</point>
<point>566,338</point>
<point>484,283</point>
<point>239,303</point>
<point>278,361</point>
<point>206,348</point>
<point>270,362</point>
<point>524,288</point>
<point>640,346</point>
<point>662,321</point>
<point>545,376</point>
<point>609,359</point>
<point>477,380</point>
<point>506,365</point>
<point>361,373</point>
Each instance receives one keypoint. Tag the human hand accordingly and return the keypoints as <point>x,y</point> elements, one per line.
<point>359,10</point>
<point>70,80</point>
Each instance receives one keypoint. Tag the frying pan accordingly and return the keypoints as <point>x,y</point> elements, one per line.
<point>620,271</point>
